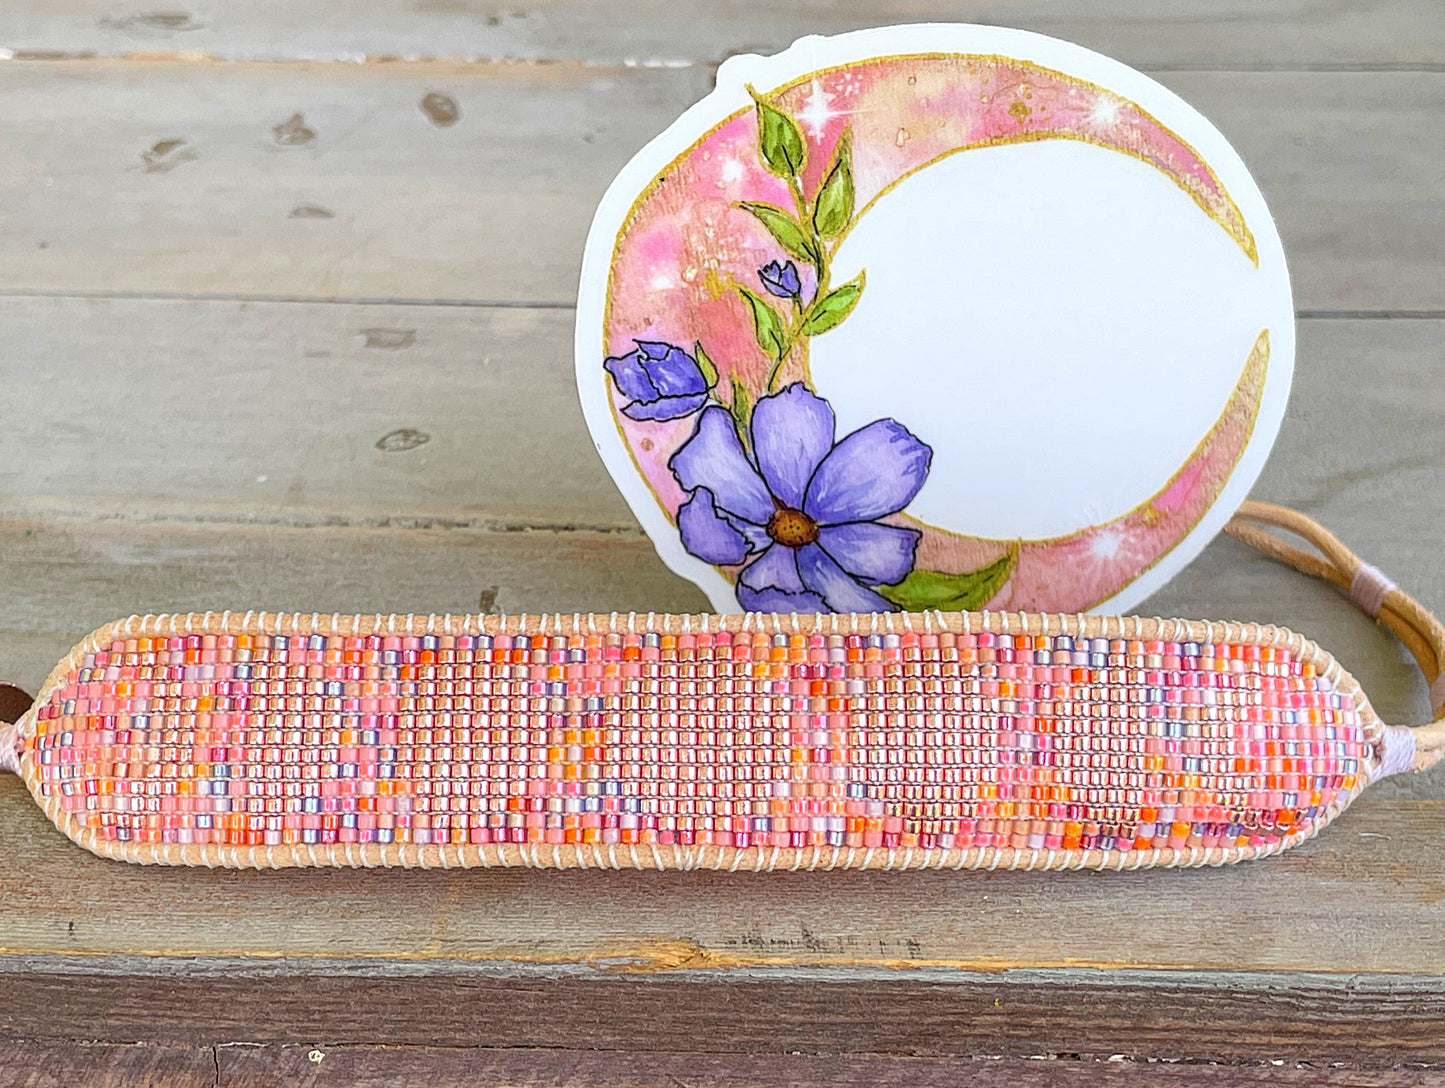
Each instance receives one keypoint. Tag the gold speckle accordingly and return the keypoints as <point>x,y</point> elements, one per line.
<point>713,284</point>
<point>1020,111</point>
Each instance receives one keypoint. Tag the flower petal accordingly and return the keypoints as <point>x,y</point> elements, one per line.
<point>756,535</point>
<point>873,553</point>
<point>675,374</point>
<point>776,568</point>
<point>713,458</point>
<point>632,380</point>
<point>792,433</point>
<point>775,600</point>
<point>664,407</point>
<point>707,535</point>
<point>875,471</point>
<point>839,589</point>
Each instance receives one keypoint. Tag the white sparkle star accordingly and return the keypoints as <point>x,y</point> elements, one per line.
<point>1105,111</point>
<point>816,112</point>
<point>1105,545</point>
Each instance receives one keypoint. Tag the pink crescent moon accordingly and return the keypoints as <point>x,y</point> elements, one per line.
<point>685,244</point>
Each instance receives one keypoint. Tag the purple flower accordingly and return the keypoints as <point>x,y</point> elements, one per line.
<point>661,381</point>
<point>807,509</point>
<point>782,282</point>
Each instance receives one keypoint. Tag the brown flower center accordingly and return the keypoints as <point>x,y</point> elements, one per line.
<point>792,528</point>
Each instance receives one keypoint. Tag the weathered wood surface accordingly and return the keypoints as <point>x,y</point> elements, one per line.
<point>275,412</point>
<point>223,284</point>
<point>1210,33</point>
<point>329,181</point>
<point>1377,1021</point>
<point>248,1065</point>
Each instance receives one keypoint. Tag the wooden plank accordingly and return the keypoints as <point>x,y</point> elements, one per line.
<point>252,1065</point>
<point>1363,1019</point>
<point>173,178</point>
<point>383,1067</point>
<point>106,1065</point>
<point>242,1065</point>
<point>1369,895</point>
<point>292,413</point>
<point>65,578</point>
<point>1233,33</point>
<point>248,1065</point>
<point>271,412</point>
<point>206,185</point>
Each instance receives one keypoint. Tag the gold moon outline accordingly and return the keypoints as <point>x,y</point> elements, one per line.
<point>1230,434</point>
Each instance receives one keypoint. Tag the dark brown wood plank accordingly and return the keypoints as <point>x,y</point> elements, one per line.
<point>29,1064</point>
<point>378,1067</point>
<point>41,1064</point>
<point>1236,1016</point>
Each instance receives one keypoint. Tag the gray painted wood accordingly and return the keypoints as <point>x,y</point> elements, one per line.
<point>329,181</point>
<point>65,577</point>
<point>298,413</point>
<point>272,413</point>
<point>1207,33</point>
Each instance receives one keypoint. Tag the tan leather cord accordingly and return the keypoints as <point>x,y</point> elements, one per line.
<point>1422,634</point>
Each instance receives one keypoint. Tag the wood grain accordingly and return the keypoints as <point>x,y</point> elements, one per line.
<point>364,1067</point>
<point>1365,1019</point>
<point>27,1064</point>
<point>272,413</point>
<point>1219,33</point>
<point>329,181</point>
<point>252,1065</point>
<point>298,414</point>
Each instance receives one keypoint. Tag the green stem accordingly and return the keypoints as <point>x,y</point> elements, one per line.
<point>820,267</point>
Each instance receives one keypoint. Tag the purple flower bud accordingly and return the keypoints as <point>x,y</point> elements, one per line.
<point>659,380</point>
<point>781,281</point>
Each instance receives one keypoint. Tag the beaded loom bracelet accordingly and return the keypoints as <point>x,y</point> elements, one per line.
<point>987,740</point>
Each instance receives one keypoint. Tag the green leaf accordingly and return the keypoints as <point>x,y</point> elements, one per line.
<point>780,141</point>
<point>709,371</point>
<point>784,228</point>
<point>742,409</point>
<point>767,326</point>
<point>925,590</point>
<point>834,206</point>
<point>832,308</point>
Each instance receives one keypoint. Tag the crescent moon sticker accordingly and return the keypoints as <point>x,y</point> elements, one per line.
<point>717,263</point>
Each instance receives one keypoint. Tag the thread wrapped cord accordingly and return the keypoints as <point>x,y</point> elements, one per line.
<point>13,703</point>
<point>1422,634</point>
